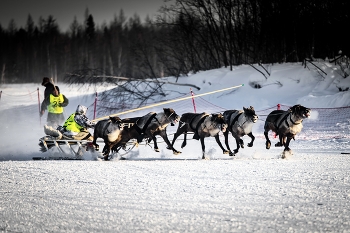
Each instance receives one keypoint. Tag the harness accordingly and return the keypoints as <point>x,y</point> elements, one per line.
<point>235,119</point>
<point>141,131</point>
<point>285,119</point>
<point>196,136</point>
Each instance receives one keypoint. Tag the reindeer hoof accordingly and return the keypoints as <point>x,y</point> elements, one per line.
<point>286,154</point>
<point>278,144</point>
<point>268,145</point>
<point>250,144</point>
<point>156,150</point>
<point>231,153</point>
<point>105,157</point>
<point>175,152</point>
<point>226,152</point>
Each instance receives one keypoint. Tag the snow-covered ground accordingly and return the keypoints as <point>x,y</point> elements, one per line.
<point>255,191</point>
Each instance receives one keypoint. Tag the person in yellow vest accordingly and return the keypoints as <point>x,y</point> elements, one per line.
<point>54,103</point>
<point>77,124</point>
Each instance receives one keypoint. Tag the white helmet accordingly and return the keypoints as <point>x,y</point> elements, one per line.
<point>81,110</point>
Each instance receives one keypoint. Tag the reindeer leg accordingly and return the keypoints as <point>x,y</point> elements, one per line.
<point>280,143</point>
<point>203,147</point>
<point>172,143</point>
<point>284,140</point>
<point>180,130</point>
<point>237,145</point>
<point>268,142</point>
<point>226,142</point>
<point>286,146</point>
<point>106,150</point>
<point>219,143</point>
<point>155,143</point>
<point>176,135</point>
<point>184,143</point>
<point>170,146</point>
<point>97,147</point>
<point>250,144</point>
<point>241,143</point>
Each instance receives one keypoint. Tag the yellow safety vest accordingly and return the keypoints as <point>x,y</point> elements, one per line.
<point>71,125</point>
<point>54,102</point>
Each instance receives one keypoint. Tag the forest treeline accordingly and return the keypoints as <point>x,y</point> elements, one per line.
<point>187,36</point>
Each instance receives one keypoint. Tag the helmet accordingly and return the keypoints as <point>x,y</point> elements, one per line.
<point>81,110</point>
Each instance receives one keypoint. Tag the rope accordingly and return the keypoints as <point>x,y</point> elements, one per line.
<point>169,101</point>
<point>18,95</point>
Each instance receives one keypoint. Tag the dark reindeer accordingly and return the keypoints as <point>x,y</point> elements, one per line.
<point>203,125</point>
<point>110,131</point>
<point>240,123</point>
<point>147,127</point>
<point>286,124</point>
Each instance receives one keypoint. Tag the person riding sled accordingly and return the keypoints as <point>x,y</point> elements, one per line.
<point>77,124</point>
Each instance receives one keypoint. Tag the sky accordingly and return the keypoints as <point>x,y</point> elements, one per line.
<point>254,191</point>
<point>64,11</point>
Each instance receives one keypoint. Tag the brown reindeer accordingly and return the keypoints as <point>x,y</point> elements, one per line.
<point>147,127</point>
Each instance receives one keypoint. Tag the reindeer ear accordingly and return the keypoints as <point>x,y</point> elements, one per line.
<point>244,108</point>
<point>294,108</point>
<point>112,119</point>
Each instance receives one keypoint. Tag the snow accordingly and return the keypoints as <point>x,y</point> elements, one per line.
<point>255,191</point>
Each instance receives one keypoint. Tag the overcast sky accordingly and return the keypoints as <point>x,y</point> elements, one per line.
<point>65,10</point>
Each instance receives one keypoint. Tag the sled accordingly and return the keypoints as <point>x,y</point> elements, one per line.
<point>60,147</point>
<point>64,149</point>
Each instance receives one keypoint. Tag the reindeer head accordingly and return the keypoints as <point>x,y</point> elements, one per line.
<point>171,116</point>
<point>220,121</point>
<point>300,111</point>
<point>250,113</point>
